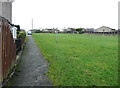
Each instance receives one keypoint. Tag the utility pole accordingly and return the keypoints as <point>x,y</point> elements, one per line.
<point>32,23</point>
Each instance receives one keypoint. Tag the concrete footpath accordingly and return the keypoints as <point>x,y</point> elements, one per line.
<point>32,67</point>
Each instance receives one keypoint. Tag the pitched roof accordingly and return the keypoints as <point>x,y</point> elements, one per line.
<point>104,27</point>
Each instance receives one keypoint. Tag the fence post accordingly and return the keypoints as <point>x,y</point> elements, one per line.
<point>1,72</point>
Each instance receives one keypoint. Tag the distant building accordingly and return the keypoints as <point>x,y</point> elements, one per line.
<point>64,30</point>
<point>89,29</point>
<point>104,29</point>
<point>50,30</point>
<point>14,32</point>
<point>35,31</point>
<point>45,30</point>
<point>69,30</point>
<point>6,9</point>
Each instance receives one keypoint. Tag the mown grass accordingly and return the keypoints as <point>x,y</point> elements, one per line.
<point>80,59</point>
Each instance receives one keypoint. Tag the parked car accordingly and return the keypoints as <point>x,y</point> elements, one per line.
<point>29,33</point>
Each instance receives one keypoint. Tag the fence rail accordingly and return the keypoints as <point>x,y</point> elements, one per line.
<point>7,49</point>
<point>99,33</point>
<point>105,33</point>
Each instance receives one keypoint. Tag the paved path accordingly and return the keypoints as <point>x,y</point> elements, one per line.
<point>32,68</point>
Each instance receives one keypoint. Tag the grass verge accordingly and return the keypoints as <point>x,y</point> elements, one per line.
<point>80,59</point>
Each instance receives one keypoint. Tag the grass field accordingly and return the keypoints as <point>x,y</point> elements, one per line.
<point>80,59</point>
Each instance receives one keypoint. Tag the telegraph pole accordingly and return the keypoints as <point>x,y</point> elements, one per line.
<point>32,23</point>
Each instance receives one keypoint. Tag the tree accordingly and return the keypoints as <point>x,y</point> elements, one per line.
<point>80,30</point>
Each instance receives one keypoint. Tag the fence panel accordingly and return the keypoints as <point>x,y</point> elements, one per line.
<point>7,49</point>
<point>105,33</point>
<point>1,77</point>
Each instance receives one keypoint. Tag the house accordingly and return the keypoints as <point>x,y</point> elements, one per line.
<point>6,9</point>
<point>69,30</point>
<point>64,30</point>
<point>104,29</point>
<point>14,32</point>
<point>45,30</point>
<point>35,31</point>
<point>15,29</point>
<point>89,29</point>
<point>50,30</point>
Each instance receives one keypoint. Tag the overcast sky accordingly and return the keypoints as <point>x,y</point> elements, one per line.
<point>65,13</point>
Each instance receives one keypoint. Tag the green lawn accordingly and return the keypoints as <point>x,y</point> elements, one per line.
<point>80,59</point>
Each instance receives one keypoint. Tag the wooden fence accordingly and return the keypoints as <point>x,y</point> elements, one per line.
<point>98,33</point>
<point>105,33</point>
<point>7,50</point>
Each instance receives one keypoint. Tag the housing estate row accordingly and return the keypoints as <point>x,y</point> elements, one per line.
<point>75,30</point>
